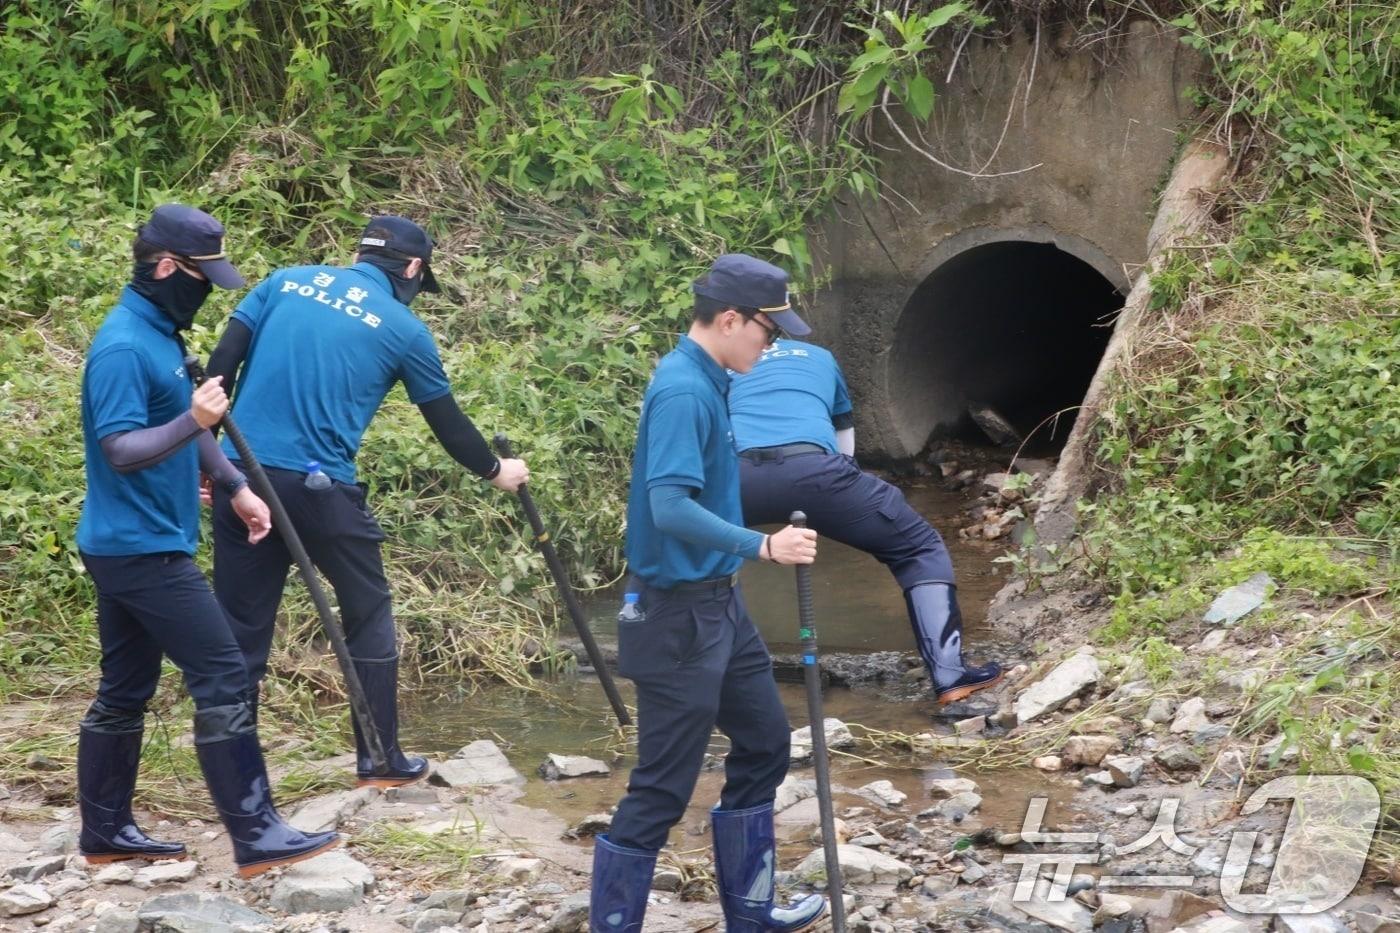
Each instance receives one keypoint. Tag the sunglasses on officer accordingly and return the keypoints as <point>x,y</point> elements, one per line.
<point>772,332</point>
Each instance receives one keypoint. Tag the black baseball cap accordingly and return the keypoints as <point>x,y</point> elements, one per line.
<point>189,232</point>
<point>746,282</point>
<point>402,237</point>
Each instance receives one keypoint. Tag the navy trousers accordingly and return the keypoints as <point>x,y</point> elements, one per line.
<point>698,662</point>
<point>341,537</point>
<point>847,504</point>
<point>151,605</point>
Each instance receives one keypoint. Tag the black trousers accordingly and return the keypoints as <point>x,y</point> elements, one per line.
<point>698,662</point>
<point>341,537</point>
<point>151,605</point>
<point>845,503</point>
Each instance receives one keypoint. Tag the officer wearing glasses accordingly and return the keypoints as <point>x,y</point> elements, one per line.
<point>689,645</point>
<point>796,438</point>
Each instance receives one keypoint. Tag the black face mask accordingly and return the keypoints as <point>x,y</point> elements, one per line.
<point>179,294</point>
<point>405,289</point>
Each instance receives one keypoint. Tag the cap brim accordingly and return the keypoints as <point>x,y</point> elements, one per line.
<point>221,272</point>
<point>789,321</point>
<point>430,283</point>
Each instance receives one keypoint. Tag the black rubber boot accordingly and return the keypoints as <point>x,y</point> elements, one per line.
<point>381,682</point>
<point>227,745</point>
<point>937,622</point>
<point>109,755</point>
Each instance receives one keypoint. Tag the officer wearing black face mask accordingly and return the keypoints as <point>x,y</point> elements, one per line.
<point>319,348</point>
<point>145,433</point>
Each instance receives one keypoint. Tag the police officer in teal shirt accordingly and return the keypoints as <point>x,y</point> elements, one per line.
<point>319,347</point>
<point>146,439</point>
<point>794,430</point>
<point>691,648</point>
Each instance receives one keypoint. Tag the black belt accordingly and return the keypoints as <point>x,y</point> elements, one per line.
<point>766,454</point>
<point>701,587</point>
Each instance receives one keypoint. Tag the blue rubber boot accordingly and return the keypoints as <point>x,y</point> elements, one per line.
<point>229,755</point>
<point>109,755</point>
<point>744,866</point>
<point>381,682</point>
<point>937,621</point>
<point>621,881</point>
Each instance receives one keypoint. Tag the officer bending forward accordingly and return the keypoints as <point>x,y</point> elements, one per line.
<point>793,429</point>
<point>692,651</point>
<point>146,441</point>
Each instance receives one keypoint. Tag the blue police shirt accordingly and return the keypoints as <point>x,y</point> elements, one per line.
<point>328,345</point>
<point>684,439</point>
<point>789,397</point>
<point>135,378</point>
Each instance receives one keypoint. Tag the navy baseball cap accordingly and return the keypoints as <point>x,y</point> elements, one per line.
<point>745,282</point>
<point>191,233</point>
<point>401,236</point>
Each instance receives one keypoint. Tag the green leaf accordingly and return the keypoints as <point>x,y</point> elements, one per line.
<point>870,80</point>
<point>918,95</point>
<point>944,15</point>
<point>782,246</point>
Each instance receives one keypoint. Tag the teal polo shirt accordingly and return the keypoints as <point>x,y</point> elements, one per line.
<point>135,378</point>
<point>684,439</point>
<point>789,397</point>
<point>328,345</point>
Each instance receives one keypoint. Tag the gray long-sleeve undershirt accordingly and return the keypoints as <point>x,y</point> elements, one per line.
<point>129,451</point>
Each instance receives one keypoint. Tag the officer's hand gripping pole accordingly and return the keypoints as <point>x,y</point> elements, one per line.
<point>359,705</point>
<point>812,676</point>
<point>561,580</point>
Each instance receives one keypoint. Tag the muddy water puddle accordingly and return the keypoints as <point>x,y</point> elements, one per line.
<point>572,718</point>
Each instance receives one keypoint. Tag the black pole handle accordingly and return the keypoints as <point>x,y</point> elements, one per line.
<point>566,590</point>
<point>359,704</point>
<point>812,677</point>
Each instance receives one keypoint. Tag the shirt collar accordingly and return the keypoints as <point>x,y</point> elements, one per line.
<point>712,370</point>
<point>380,277</point>
<point>147,311</point>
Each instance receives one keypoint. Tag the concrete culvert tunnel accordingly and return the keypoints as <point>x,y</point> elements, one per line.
<point>1015,325</point>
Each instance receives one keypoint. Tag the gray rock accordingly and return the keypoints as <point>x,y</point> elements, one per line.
<point>793,790</point>
<point>883,793</point>
<point>329,882</point>
<point>571,915</point>
<point>1125,769</point>
<point>165,873</point>
<point>1239,601</point>
<point>1325,922</point>
<point>10,844</point>
<point>1133,690</point>
<point>1367,922</point>
<point>1190,716</point>
<point>1088,750</point>
<point>559,767</point>
<point>1067,914</point>
<point>456,899</point>
<point>1218,923</point>
<point>1214,639</point>
<point>38,761</point>
<point>666,879</point>
<point>67,884</point>
<point>519,870</point>
<point>951,787</point>
<point>1215,732</point>
<point>34,869</point>
<point>1273,746</point>
<point>1057,687</point>
<point>24,899</point>
<point>957,807</point>
<point>1178,758</point>
<point>1100,778</point>
<point>970,726</point>
<point>858,866</point>
<point>481,762</point>
<point>972,872</point>
<point>1160,710</point>
<point>118,921</point>
<point>595,823</point>
<point>416,793</point>
<point>993,424</point>
<point>426,921</point>
<point>207,913</point>
<point>326,813</point>
<point>120,873</point>
<point>1246,680</point>
<point>58,840</point>
<point>838,735</point>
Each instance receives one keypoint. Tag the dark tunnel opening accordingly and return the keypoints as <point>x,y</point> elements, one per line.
<point>1017,326</point>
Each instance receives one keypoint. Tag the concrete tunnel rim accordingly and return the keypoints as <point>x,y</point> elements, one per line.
<point>969,238</point>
